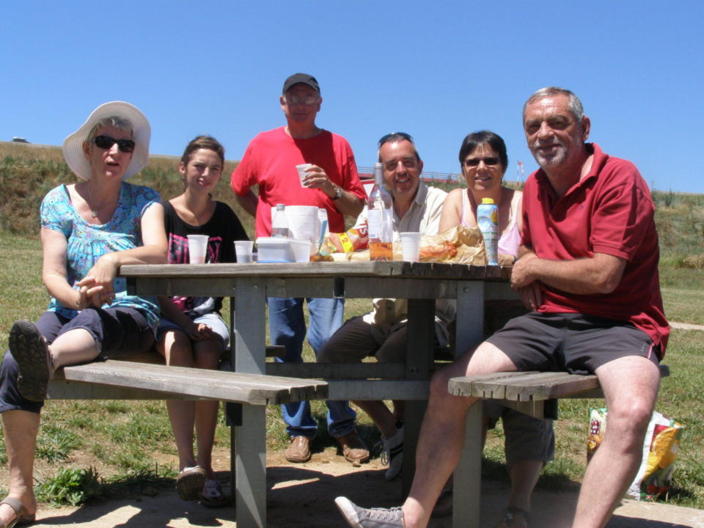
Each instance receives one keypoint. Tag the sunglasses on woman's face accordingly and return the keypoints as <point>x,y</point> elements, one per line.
<point>474,162</point>
<point>106,142</point>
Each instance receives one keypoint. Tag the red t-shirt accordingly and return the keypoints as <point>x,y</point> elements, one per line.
<point>270,162</point>
<point>609,211</point>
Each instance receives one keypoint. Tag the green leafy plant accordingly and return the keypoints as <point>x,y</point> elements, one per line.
<point>70,487</point>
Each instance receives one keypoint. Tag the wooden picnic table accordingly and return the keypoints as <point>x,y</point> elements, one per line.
<point>420,283</point>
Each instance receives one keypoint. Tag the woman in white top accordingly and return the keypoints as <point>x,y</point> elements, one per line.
<point>529,441</point>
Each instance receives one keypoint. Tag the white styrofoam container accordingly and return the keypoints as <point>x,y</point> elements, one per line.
<point>271,249</point>
<point>301,250</point>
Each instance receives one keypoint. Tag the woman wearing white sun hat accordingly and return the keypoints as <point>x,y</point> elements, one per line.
<point>88,230</point>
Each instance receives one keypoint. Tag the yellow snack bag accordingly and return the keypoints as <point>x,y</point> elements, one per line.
<point>660,447</point>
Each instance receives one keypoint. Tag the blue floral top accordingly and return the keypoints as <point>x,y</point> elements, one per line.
<point>88,242</point>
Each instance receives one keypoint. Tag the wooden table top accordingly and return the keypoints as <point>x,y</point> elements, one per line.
<point>396,269</point>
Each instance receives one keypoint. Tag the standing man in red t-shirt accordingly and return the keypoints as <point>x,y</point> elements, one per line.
<point>331,183</point>
<point>588,268</point>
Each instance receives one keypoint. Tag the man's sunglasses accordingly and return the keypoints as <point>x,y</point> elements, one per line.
<point>106,142</point>
<point>395,136</point>
<point>474,162</point>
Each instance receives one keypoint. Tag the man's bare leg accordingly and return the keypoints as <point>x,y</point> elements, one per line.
<point>630,386</point>
<point>380,414</point>
<point>524,476</point>
<point>443,425</point>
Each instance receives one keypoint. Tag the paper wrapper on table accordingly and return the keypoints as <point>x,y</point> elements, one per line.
<point>660,448</point>
<point>458,245</point>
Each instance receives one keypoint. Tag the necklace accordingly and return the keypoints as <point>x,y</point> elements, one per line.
<point>95,211</point>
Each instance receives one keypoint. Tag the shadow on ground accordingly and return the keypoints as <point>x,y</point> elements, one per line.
<point>303,495</point>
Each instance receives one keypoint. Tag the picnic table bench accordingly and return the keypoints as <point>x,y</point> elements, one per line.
<point>124,379</point>
<point>531,392</point>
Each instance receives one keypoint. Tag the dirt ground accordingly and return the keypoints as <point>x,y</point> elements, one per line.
<point>302,495</point>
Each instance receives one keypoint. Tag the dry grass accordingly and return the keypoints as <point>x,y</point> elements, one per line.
<point>28,172</point>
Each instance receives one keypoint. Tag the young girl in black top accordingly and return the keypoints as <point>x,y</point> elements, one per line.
<point>192,333</point>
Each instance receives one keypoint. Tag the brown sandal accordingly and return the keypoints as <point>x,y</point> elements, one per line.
<point>22,516</point>
<point>189,483</point>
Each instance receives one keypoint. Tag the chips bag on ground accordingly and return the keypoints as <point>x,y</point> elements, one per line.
<point>660,447</point>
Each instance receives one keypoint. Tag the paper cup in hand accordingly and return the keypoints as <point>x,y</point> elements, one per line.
<point>243,251</point>
<point>410,246</point>
<point>302,171</point>
<point>197,248</point>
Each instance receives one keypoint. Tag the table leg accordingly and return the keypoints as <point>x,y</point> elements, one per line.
<point>467,484</point>
<point>250,464</point>
<point>419,358</point>
<point>467,479</point>
<point>249,447</point>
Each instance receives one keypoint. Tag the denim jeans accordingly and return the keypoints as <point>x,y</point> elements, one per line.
<point>287,327</point>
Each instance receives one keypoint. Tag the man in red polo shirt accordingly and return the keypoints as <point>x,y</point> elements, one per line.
<point>331,183</point>
<point>588,268</point>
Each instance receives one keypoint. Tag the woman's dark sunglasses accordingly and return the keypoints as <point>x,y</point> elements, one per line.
<point>474,162</point>
<point>106,142</point>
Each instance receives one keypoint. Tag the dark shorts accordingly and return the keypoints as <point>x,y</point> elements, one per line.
<point>526,438</point>
<point>115,330</point>
<point>357,339</point>
<point>573,342</point>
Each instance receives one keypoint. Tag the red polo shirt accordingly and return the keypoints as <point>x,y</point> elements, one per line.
<point>609,211</point>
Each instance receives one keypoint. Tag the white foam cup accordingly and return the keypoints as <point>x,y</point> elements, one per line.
<point>197,248</point>
<point>302,171</point>
<point>410,245</point>
<point>243,251</point>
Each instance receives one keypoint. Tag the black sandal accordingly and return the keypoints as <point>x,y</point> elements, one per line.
<point>31,353</point>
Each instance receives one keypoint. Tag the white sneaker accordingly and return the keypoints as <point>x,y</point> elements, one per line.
<point>358,517</point>
<point>393,454</point>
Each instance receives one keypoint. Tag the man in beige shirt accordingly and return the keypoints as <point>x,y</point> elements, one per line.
<point>382,332</point>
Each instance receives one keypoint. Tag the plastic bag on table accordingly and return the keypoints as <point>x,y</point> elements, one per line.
<point>352,240</point>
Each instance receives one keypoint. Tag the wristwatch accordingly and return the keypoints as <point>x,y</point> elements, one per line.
<point>338,192</point>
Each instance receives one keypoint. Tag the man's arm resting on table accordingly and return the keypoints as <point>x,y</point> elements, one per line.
<point>585,276</point>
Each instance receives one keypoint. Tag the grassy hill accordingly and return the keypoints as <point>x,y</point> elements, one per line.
<point>28,171</point>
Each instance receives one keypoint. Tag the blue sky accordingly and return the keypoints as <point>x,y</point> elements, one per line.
<point>436,70</point>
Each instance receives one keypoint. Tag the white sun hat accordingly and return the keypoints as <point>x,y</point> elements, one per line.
<point>141,132</point>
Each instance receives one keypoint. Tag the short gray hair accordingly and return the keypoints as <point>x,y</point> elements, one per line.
<point>575,105</point>
<point>114,121</point>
